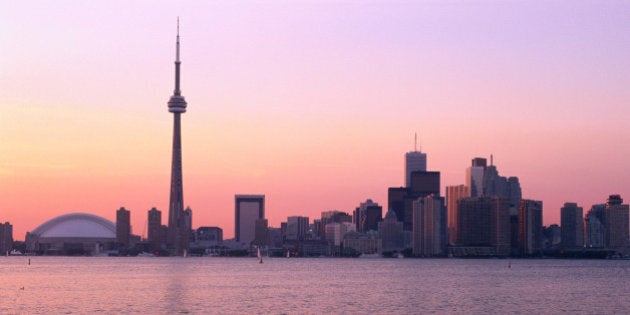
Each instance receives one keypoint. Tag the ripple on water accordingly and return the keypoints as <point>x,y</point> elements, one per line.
<point>289,286</point>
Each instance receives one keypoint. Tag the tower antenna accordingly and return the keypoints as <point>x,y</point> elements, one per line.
<point>415,141</point>
<point>177,52</point>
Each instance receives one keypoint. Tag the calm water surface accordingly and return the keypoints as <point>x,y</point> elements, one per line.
<point>77,285</point>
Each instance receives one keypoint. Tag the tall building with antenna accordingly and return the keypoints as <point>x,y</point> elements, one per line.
<point>178,232</point>
<point>414,161</point>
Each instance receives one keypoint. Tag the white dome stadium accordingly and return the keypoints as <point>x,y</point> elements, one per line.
<point>83,225</point>
<point>72,234</point>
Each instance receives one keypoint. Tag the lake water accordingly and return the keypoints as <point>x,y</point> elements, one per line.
<point>77,285</point>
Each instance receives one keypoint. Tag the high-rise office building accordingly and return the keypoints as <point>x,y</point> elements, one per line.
<point>485,181</point>
<point>336,231</point>
<point>414,161</point>
<point>178,232</point>
<point>530,226</point>
<point>247,209</point>
<point>367,215</point>
<point>474,177</point>
<point>333,216</point>
<point>123,227</point>
<point>397,198</point>
<point>616,224</point>
<point>572,226</point>
<point>429,226</point>
<point>400,199</point>
<point>494,185</point>
<point>391,232</point>
<point>261,233</point>
<point>514,193</point>
<point>154,228</point>
<point>453,195</point>
<point>297,227</point>
<point>484,222</point>
<point>317,228</point>
<point>594,227</point>
<point>424,183</point>
<point>6,237</point>
<point>474,222</point>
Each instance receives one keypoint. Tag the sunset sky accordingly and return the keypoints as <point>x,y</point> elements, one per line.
<point>312,103</point>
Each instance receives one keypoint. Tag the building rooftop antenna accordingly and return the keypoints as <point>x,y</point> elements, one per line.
<point>415,141</point>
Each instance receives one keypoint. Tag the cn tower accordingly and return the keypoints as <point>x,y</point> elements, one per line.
<point>177,237</point>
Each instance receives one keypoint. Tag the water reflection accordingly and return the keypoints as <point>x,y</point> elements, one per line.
<point>242,285</point>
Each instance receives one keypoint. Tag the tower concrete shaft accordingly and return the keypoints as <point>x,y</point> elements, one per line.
<point>178,232</point>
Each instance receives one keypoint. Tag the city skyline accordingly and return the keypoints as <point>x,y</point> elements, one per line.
<point>313,105</point>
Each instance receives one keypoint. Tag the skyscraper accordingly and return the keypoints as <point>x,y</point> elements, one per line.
<point>424,183</point>
<point>400,199</point>
<point>397,201</point>
<point>297,227</point>
<point>572,226</point>
<point>335,231</point>
<point>414,161</point>
<point>177,231</point>
<point>453,195</point>
<point>616,224</point>
<point>474,177</point>
<point>247,210</point>
<point>429,226</point>
<point>333,216</point>
<point>530,226</point>
<point>495,185</point>
<point>391,232</point>
<point>154,227</point>
<point>6,237</point>
<point>261,233</point>
<point>594,227</point>
<point>123,227</point>
<point>367,215</point>
<point>485,222</point>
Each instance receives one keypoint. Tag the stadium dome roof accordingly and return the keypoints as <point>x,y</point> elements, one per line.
<point>77,225</point>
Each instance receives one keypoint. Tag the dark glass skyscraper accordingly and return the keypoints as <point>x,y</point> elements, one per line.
<point>400,199</point>
<point>616,224</point>
<point>6,237</point>
<point>530,213</point>
<point>123,227</point>
<point>572,226</point>
<point>484,222</point>
<point>177,232</point>
<point>155,228</point>
<point>414,161</point>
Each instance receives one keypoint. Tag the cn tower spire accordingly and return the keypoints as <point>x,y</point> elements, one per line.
<point>177,103</point>
<point>177,52</point>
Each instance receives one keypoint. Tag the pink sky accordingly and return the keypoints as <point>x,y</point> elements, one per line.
<point>312,103</point>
